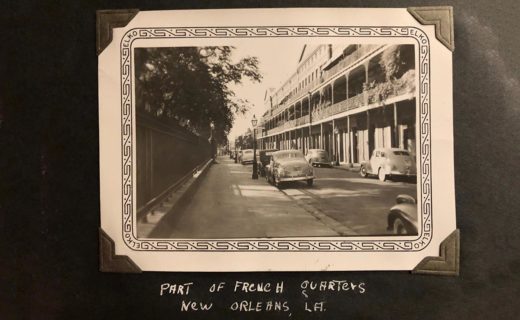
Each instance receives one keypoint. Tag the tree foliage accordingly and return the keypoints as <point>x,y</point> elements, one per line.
<point>396,60</point>
<point>191,84</point>
<point>245,141</point>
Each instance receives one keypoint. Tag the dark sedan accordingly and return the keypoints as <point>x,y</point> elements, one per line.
<point>264,157</point>
<point>318,157</point>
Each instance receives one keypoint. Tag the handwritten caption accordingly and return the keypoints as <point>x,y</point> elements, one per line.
<point>272,295</point>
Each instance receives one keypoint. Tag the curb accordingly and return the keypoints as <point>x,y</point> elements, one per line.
<point>152,224</point>
<point>355,168</point>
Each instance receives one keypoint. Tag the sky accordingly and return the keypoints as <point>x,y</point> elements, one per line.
<point>276,64</point>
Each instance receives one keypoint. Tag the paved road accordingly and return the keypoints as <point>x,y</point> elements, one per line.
<point>229,204</point>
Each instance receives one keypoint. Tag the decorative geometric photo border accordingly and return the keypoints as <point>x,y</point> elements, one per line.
<point>275,245</point>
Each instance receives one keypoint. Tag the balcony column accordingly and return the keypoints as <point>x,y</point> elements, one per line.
<point>368,136</point>
<point>334,147</point>
<point>351,142</point>
<point>396,137</point>
<point>365,93</point>
<point>310,120</point>
<point>346,84</point>
<point>321,136</point>
<point>302,139</point>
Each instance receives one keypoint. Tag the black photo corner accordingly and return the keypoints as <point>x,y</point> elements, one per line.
<point>50,185</point>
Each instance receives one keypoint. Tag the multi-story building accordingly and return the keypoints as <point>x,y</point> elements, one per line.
<point>346,99</point>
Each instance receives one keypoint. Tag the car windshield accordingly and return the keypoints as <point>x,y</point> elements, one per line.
<point>401,153</point>
<point>288,155</point>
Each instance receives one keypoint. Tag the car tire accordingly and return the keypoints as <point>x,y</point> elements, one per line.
<point>399,227</point>
<point>381,175</point>
<point>363,171</point>
<point>277,183</point>
<point>310,182</point>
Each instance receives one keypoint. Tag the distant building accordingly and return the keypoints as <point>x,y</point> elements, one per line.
<point>346,99</point>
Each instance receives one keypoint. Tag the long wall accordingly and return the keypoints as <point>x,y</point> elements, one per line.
<point>166,153</point>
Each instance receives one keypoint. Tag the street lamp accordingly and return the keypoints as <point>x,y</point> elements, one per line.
<point>255,173</point>
<point>212,141</point>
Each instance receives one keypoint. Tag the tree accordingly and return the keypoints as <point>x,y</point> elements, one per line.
<point>245,141</point>
<point>396,60</point>
<point>190,84</point>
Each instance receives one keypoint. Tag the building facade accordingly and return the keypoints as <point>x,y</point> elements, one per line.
<point>346,99</point>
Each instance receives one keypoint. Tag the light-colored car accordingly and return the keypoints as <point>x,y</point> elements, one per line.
<point>247,156</point>
<point>389,162</point>
<point>402,218</point>
<point>289,165</point>
<point>318,157</point>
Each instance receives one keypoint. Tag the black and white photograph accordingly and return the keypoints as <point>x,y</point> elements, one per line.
<point>259,159</point>
<point>310,140</point>
<point>260,139</point>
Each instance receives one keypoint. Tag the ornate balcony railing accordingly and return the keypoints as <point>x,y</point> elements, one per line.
<point>376,94</point>
<point>355,101</point>
<point>289,124</point>
<point>344,105</point>
<point>275,130</point>
<point>303,120</point>
<point>349,60</point>
<point>379,92</point>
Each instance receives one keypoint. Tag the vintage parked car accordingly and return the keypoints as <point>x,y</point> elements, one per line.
<point>389,162</point>
<point>289,165</point>
<point>246,156</point>
<point>264,158</point>
<point>318,157</point>
<point>402,218</point>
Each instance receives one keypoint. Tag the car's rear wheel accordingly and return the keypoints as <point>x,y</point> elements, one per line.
<point>310,182</point>
<point>363,171</point>
<point>399,227</point>
<point>381,174</point>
